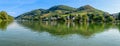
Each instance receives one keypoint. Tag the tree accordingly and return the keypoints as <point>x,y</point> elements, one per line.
<point>84,18</point>
<point>109,18</point>
<point>91,17</point>
<point>3,15</point>
<point>78,18</point>
<point>119,16</point>
<point>98,18</point>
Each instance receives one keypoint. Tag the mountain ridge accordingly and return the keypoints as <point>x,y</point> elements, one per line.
<point>62,12</point>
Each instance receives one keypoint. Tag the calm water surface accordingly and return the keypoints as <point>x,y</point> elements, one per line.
<point>58,34</point>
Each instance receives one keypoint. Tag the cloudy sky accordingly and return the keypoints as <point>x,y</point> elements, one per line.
<point>17,7</point>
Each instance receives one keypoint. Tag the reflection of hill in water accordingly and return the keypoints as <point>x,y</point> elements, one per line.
<point>4,24</point>
<point>57,28</point>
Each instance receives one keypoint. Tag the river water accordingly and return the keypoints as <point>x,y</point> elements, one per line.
<point>27,33</point>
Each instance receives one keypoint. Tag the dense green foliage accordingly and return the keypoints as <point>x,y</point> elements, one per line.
<point>118,16</point>
<point>65,13</point>
<point>5,17</point>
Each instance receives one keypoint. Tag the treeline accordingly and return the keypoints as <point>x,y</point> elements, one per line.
<point>5,17</point>
<point>87,18</point>
<point>76,17</point>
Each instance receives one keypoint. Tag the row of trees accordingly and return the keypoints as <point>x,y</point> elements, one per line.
<point>82,18</point>
<point>94,18</point>
<point>77,18</point>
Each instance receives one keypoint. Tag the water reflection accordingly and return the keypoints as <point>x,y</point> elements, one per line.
<point>59,28</point>
<point>4,24</point>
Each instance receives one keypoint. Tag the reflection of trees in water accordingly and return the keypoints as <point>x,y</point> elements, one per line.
<point>58,28</point>
<point>118,26</point>
<point>4,24</point>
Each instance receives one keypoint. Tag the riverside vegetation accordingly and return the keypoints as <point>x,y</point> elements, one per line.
<point>5,17</point>
<point>85,13</point>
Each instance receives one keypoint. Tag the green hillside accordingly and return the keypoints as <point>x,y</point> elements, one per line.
<point>5,17</point>
<point>61,7</point>
<point>85,13</point>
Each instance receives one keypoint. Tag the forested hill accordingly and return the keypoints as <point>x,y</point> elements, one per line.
<point>5,17</point>
<point>65,13</point>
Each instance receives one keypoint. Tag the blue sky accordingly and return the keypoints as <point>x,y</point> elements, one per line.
<point>17,7</point>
